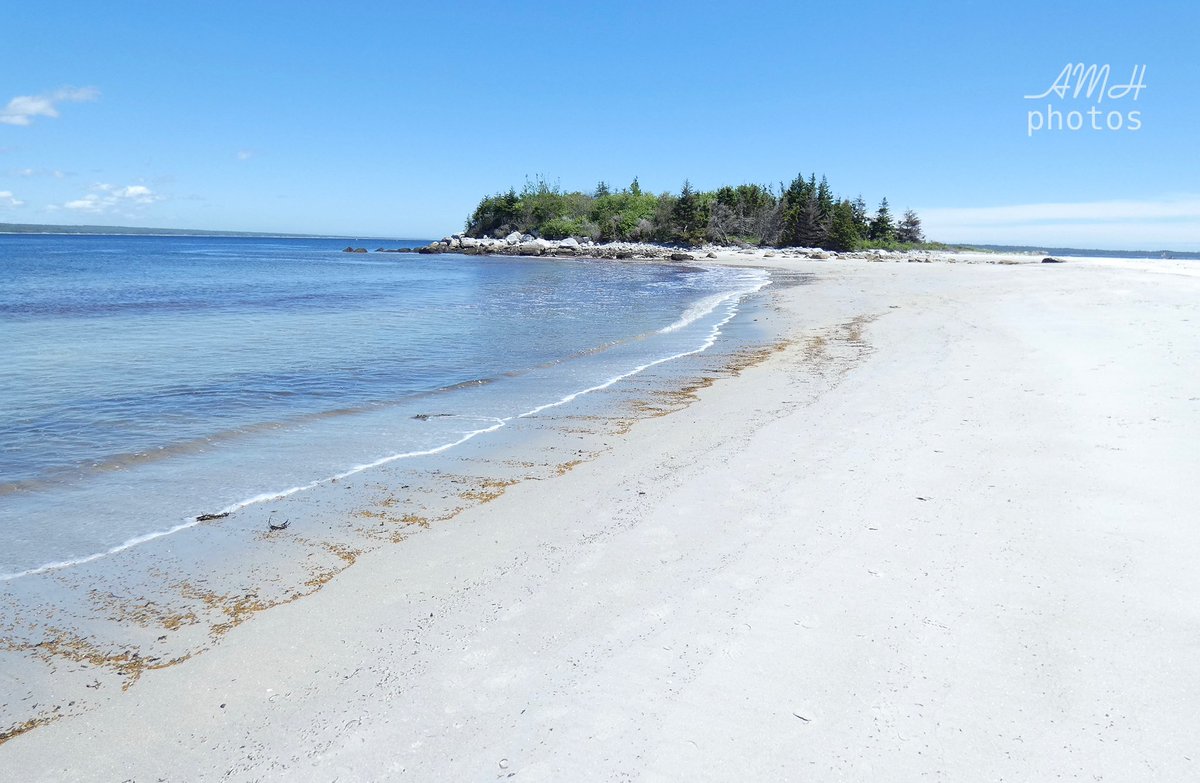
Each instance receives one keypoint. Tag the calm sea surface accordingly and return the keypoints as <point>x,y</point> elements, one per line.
<point>148,380</point>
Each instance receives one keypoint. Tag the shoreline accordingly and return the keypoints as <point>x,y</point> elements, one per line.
<point>728,302</point>
<point>120,620</point>
<point>908,539</point>
<point>774,258</point>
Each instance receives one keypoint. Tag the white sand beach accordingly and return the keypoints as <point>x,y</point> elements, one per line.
<point>948,531</point>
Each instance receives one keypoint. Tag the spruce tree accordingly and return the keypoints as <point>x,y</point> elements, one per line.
<point>796,194</point>
<point>843,233</point>
<point>809,227</point>
<point>861,222</point>
<point>909,230</point>
<point>825,199</point>
<point>882,228</point>
<point>796,197</point>
<point>685,217</point>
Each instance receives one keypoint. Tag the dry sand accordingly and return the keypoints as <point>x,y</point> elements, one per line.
<point>948,533</point>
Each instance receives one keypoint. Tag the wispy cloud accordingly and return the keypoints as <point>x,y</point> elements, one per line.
<point>245,154</point>
<point>22,109</point>
<point>37,173</point>
<point>105,198</point>
<point>7,199</point>
<point>1119,224</point>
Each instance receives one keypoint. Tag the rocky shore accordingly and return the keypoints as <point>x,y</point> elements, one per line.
<point>516,244</point>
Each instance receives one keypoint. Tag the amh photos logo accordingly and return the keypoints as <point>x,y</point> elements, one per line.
<point>1088,84</point>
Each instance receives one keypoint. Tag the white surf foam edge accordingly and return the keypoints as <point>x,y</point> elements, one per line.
<point>694,313</point>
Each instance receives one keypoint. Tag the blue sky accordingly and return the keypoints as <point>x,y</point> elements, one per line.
<point>387,119</point>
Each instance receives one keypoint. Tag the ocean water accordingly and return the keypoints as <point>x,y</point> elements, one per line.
<point>145,381</point>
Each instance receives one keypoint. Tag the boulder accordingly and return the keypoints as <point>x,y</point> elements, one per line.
<point>682,257</point>
<point>534,247</point>
<point>1051,260</point>
<point>570,242</point>
<point>354,250</point>
<point>513,239</point>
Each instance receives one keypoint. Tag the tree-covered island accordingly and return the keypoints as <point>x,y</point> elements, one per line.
<point>804,213</point>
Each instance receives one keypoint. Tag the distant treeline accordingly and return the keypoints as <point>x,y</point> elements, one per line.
<point>804,213</point>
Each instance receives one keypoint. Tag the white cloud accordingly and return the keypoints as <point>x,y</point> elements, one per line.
<point>22,109</point>
<point>37,173</point>
<point>105,198</point>
<point>7,199</point>
<point>1167,223</point>
<point>245,154</point>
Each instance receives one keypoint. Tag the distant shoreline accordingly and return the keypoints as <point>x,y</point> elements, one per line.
<point>1188,255</point>
<point>23,229</point>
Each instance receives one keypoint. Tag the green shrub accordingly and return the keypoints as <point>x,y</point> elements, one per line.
<point>561,228</point>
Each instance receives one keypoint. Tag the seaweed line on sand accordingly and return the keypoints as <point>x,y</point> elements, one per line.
<point>234,608</point>
<point>17,729</point>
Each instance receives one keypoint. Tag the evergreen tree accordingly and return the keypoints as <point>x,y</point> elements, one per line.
<point>635,188</point>
<point>601,190</point>
<point>814,226</point>
<point>861,222</point>
<point>796,228</point>
<point>663,221</point>
<point>843,233</point>
<point>882,228</point>
<point>796,194</point>
<point>685,217</point>
<point>909,230</point>
<point>825,199</point>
